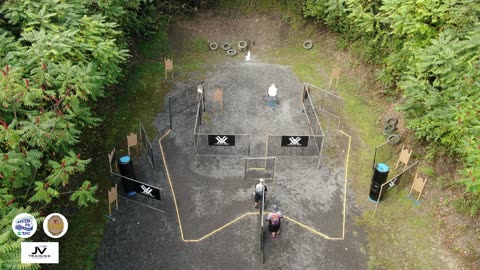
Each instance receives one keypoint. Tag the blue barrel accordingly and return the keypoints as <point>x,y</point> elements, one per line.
<point>380,175</point>
<point>125,165</point>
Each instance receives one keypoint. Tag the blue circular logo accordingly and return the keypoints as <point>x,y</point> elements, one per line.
<point>24,225</point>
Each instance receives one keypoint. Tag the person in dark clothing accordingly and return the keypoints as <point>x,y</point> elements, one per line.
<point>274,219</point>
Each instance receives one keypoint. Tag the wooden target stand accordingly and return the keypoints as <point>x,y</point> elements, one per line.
<point>218,98</point>
<point>418,183</point>
<point>168,67</point>
<point>113,192</point>
<point>335,76</point>
<point>112,198</point>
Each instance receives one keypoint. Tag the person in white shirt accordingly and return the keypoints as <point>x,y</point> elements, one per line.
<point>272,95</point>
<point>260,189</point>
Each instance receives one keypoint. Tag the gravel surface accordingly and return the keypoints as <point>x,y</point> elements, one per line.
<point>210,190</point>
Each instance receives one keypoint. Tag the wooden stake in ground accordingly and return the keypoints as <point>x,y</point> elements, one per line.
<point>110,159</point>
<point>168,67</point>
<point>132,140</point>
<point>112,197</point>
<point>418,185</point>
<point>404,157</point>
<point>218,98</point>
<point>335,75</point>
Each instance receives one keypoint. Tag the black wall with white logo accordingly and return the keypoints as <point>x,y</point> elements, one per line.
<point>295,141</point>
<point>221,140</point>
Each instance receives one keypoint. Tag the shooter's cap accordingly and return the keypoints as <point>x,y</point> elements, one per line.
<point>261,180</point>
<point>274,207</point>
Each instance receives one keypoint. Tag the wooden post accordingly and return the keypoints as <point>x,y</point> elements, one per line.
<point>418,185</point>
<point>110,159</point>
<point>168,67</point>
<point>112,197</point>
<point>404,157</point>
<point>132,140</point>
<point>218,98</point>
<point>335,75</point>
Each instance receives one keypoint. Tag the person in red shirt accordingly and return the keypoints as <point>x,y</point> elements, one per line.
<point>274,219</point>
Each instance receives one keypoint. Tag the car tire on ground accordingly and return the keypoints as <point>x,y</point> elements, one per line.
<point>242,45</point>
<point>308,44</point>
<point>231,52</point>
<point>226,46</point>
<point>213,46</point>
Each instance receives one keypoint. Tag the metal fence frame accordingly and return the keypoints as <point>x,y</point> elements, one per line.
<point>197,135</point>
<point>262,230</point>
<point>198,122</point>
<point>116,179</point>
<point>314,138</point>
<point>190,96</point>
<point>245,177</point>
<point>146,145</point>
<point>391,151</point>
<point>392,185</point>
<point>327,114</point>
<point>315,126</point>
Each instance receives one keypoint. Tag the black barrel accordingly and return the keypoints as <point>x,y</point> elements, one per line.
<point>380,175</point>
<point>125,165</point>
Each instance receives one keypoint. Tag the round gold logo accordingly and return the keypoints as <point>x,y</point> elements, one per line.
<point>55,225</point>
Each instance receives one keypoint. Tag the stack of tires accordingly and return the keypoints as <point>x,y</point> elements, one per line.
<point>227,47</point>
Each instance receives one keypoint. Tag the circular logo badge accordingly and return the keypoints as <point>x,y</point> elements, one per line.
<point>55,225</point>
<point>24,225</point>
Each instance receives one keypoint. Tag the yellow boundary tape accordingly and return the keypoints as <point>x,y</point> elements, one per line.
<point>255,213</point>
<point>346,181</point>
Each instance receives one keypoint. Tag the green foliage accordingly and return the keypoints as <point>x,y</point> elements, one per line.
<point>156,45</point>
<point>55,59</point>
<point>331,12</point>
<point>263,6</point>
<point>10,244</point>
<point>84,195</point>
<point>144,17</point>
<point>468,205</point>
<point>429,50</point>
<point>443,98</point>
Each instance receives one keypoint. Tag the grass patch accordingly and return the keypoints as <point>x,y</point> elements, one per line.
<point>157,45</point>
<point>85,232</point>
<point>194,56</point>
<point>141,101</point>
<point>401,235</point>
<point>263,6</point>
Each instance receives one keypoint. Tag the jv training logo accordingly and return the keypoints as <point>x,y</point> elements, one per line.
<point>24,225</point>
<point>55,225</point>
<point>147,191</point>
<point>39,252</point>
<point>221,140</point>
<point>294,141</point>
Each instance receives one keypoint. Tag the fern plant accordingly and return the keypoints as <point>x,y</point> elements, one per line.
<point>10,244</point>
